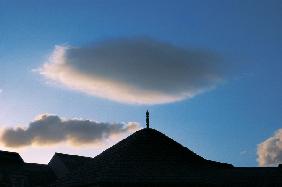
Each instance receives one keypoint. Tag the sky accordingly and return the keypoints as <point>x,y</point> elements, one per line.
<point>78,76</point>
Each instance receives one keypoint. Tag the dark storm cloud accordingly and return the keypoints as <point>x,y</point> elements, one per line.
<point>270,151</point>
<point>51,129</point>
<point>136,71</point>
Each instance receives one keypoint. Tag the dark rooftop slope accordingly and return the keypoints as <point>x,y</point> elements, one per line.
<point>15,172</point>
<point>153,147</point>
<point>72,162</point>
<point>147,156</point>
<point>10,158</point>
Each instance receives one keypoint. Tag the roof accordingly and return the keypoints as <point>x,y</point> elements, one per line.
<point>72,162</point>
<point>32,174</point>
<point>7,157</point>
<point>38,174</point>
<point>145,156</point>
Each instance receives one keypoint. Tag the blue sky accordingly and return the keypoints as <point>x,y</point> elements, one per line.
<point>224,124</point>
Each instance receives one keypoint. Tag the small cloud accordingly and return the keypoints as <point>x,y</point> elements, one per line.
<point>243,152</point>
<point>270,151</point>
<point>51,129</point>
<point>133,71</point>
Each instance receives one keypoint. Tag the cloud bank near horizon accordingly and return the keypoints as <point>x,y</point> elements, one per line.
<point>51,129</point>
<point>269,152</point>
<point>133,71</point>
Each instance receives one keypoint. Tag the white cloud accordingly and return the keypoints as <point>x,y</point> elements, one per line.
<point>270,151</point>
<point>51,129</point>
<point>134,71</point>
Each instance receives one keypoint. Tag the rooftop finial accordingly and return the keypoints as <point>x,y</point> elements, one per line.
<point>147,119</point>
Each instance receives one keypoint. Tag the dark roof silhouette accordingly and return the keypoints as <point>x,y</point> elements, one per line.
<point>37,174</point>
<point>62,164</point>
<point>15,172</point>
<point>147,156</point>
<point>72,162</point>
<point>10,158</point>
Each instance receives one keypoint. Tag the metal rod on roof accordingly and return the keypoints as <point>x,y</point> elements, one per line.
<point>147,119</point>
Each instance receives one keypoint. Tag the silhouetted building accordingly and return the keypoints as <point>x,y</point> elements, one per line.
<point>149,158</point>
<point>10,158</point>
<point>15,173</point>
<point>145,158</point>
<point>63,164</point>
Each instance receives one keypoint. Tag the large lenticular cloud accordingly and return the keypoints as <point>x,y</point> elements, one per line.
<point>134,71</point>
<point>51,129</point>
